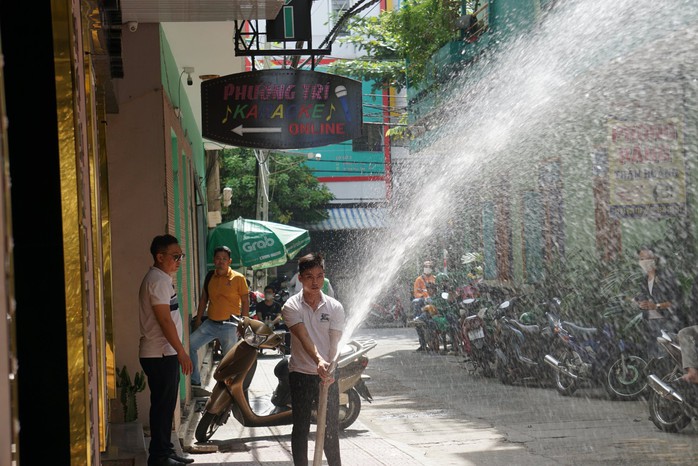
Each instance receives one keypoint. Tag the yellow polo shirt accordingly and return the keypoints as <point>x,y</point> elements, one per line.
<point>224,292</point>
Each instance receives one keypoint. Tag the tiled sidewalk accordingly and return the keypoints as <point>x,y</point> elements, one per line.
<point>268,446</point>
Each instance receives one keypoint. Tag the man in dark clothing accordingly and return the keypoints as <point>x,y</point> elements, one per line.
<point>659,299</point>
<point>269,312</point>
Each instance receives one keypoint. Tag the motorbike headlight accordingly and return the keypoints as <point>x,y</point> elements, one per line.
<point>252,339</point>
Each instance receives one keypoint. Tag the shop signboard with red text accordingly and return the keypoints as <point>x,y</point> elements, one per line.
<point>281,109</point>
<point>647,175</point>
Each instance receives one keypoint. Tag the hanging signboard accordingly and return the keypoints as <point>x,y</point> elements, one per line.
<point>647,177</point>
<point>281,109</point>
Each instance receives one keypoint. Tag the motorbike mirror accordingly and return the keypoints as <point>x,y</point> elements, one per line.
<point>444,295</point>
<point>504,305</point>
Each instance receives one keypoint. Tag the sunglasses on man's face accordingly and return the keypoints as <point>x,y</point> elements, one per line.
<point>176,257</point>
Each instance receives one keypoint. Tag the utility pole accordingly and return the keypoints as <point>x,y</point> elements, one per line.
<point>262,211</point>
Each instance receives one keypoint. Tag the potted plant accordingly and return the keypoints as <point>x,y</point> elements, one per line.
<point>128,392</point>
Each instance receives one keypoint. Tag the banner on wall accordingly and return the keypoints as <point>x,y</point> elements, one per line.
<point>647,175</point>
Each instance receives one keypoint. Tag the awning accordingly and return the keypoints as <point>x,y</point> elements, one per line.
<point>350,218</point>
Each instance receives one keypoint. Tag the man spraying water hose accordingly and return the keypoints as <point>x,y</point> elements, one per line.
<point>316,323</point>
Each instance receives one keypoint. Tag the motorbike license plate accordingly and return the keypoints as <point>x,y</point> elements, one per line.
<point>476,334</point>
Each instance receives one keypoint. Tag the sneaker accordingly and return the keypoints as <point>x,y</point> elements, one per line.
<point>199,392</point>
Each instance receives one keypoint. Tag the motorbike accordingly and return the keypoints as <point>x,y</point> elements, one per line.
<point>389,311</point>
<point>477,337</point>
<point>672,402</point>
<point>282,295</point>
<point>235,372</point>
<point>521,344</point>
<point>599,355</point>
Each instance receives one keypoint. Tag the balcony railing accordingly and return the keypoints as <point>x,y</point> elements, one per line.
<point>473,25</point>
<point>474,39</point>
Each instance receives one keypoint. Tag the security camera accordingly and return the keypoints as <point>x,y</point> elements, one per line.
<point>132,26</point>
<point>318,156</point>
<point>190,82</point>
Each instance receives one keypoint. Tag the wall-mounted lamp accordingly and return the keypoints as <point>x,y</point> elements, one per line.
<point>312,156</point>
<point>189,70</point>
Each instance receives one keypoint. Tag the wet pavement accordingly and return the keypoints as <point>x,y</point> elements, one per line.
<point>433,409</point>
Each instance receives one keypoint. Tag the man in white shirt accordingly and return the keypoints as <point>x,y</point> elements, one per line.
<point>160,350</point>
<point>316,323</point>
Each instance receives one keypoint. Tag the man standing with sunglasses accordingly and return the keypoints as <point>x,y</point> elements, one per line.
<point>161,351</point>
<point>224,294</point>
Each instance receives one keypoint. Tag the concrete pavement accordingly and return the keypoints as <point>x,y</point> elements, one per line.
<point>238,445</point>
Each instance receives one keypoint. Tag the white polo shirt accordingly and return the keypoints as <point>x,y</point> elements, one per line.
<point>329,315</point>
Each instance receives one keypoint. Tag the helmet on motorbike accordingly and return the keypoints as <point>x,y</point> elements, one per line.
<point>430,309</point>
<point>527,319</point>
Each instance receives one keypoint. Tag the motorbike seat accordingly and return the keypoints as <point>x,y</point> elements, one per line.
<point>574,328</point>
<point>527,328</point>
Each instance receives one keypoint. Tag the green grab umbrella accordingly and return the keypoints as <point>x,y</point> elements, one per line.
<point>257,244</point>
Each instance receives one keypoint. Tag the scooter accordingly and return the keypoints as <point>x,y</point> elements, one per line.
<point>478,338</point>
<point>520,346</point>
<point>672,402</point>
<point>597,354</point>
<point>235,372</point>
<point>379,315</point>
<point>390,311</point>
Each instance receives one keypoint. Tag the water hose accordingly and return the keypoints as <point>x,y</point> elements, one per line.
<point>321,419</point>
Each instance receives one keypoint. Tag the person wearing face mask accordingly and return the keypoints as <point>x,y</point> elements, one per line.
<point>659,299</point>
<point>422,294</point>
<point>269,312</point>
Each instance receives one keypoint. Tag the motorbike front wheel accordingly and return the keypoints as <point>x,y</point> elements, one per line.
<point>565,385</point>
<point>209,424</point>
<point>625,379</point>
<point>667,415</point>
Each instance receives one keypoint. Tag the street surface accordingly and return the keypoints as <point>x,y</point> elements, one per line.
<point>432,410</point>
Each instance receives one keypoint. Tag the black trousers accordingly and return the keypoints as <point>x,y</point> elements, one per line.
<point>304,392</point>
<point>163,380</point>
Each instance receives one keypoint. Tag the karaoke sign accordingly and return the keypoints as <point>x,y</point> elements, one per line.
<point>281,109</point>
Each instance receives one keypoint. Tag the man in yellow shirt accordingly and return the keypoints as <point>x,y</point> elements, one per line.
<point>225,293</point>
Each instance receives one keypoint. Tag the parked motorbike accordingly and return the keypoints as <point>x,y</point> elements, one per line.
<point>521,343</point>
<point>282,295</point>
<point>392,314</point>
<point>598,355</point>
<point>442,327</point>
<point>478,339</point>
<point>672,402</point>
<point>389,312</point>
<point>235,372</point>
